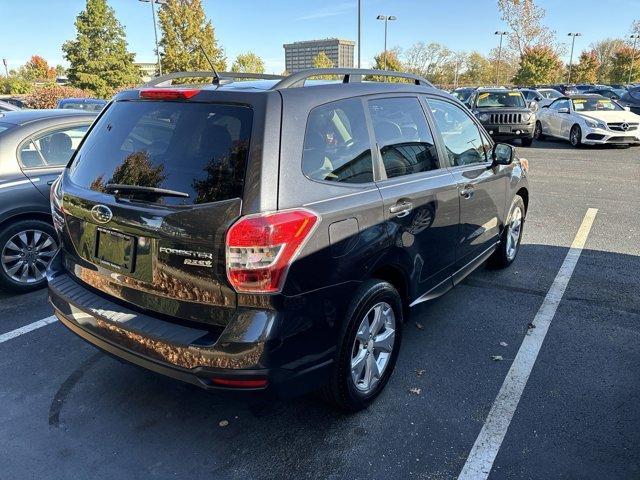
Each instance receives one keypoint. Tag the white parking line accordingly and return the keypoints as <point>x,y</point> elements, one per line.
<point>27,328</point>
<point>484,450</point>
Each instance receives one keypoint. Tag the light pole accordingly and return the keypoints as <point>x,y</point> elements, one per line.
<point>635,37</point>
<point>573,42</point>
<point>386,18</point>
<point>502,35</point>
<point>359,36</point>
<point>155,28</point>
<point>6,66</point>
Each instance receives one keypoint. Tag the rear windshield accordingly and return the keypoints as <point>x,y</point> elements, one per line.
<point>195,148</point>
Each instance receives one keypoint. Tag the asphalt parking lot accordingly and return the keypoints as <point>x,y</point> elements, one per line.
<point>67,411</point>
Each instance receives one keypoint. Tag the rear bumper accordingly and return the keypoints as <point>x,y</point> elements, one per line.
<point>192,355</point>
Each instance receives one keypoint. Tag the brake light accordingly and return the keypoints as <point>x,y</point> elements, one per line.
<point>260,248</point>
<point>168,93</point>
<point>240,383</point>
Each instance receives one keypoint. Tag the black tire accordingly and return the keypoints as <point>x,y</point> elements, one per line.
<point>537,133</point>
<point>575,137</point>
<point>7,233</point>
<point>341,391</point>
<point>526,141</point>
<point>503,257</point>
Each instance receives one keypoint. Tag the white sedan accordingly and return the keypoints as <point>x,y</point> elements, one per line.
<point>589,120</point>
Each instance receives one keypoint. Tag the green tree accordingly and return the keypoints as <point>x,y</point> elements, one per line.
<point>605,49</point>
<point>393,63</point>
<point>98,57</point>
<point>586,71</point>
<point>538,65</point>
<point>186,32</point>
<point>15,85</point>
<point>322,61</point>
<point>477,70</point>
<point>621,65</point>
<point>248,63</point>
<point>37,68</point>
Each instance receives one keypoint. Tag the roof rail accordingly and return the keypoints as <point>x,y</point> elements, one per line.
<point>349,75</point>
<point>224,77</point>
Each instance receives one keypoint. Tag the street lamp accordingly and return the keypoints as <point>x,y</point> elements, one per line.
<point>386,18</point>
<point>155,28</point>
<point>359,36</point>
<point>635,37</point>
<point>573,42</point>
<point>502,35</point>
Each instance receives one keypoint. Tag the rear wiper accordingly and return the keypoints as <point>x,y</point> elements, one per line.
<point>161,192</point>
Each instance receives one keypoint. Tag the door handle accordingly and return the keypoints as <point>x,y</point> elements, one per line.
<point>466,191</point>
<point>401,209</point>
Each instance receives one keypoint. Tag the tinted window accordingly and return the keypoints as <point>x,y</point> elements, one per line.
<point>336,143</point>
<point>53,148</point>
<point>402,134</point>
<point>196,148</point>
<point>459,133</point>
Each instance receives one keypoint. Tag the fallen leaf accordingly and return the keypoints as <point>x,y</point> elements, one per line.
<point>419,326</point>
<point>530,326</point>
<point>415,391</point>
<point>420,371</point>
<point>496,358</point>
<point>503,344</point>
<point>223,423</point>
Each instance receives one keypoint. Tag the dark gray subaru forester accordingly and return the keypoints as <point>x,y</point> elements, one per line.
<point>271,236</point>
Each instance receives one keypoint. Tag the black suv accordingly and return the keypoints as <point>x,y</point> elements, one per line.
<point>273,235</point>
<point>504,114</point>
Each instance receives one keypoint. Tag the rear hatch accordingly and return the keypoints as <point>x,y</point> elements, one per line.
<point>147,202</point>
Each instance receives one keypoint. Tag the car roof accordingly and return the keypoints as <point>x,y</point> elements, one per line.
<point>23,117</point>
<point>83,100</point>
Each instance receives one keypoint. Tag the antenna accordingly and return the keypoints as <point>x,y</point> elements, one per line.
<point>216,77</point>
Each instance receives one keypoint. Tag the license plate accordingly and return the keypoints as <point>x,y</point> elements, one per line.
<point>115,250</point>
<point>504,129</point>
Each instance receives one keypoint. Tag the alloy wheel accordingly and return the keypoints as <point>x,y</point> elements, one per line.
<point>26,255</point>
<point>373,346</point>
<point>513,233</point>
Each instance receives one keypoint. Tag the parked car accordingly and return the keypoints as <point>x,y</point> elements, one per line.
<point>8,107</point>
<point>463,93</point>
<point>35,145</point>
<point>589,120</point>
<point>631,99</point>
<point>566,89</point>
<point>504,114</point>
<point>208,235</point>
<point>605,92</point>
<point>18,101</point>
<point>89,104</point>
<point>541,96</point>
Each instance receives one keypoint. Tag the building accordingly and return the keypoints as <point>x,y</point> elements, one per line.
<point>148,70</point>
<point>299,55</point>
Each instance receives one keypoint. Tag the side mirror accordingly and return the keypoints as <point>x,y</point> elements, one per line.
<point>533,106</point>
<point>503,154</point>
<point>627,109</point>
<point>563,110</point>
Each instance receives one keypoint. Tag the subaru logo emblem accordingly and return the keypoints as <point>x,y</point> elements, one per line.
<point>101,213</point>
<point>624,127</point>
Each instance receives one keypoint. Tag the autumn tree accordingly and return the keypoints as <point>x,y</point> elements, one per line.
<point>586,70</point>
<point>37,68</point>
<point>98,57</point>
<point>322,61</point>
<point>432,61</point>
<point>538,65</point>
<point>525,18</point>
<point>605,50</point>
<point>248,63</point>
<point>477,70</point>
<point>621,65</point>
<point>186,32</point>
<point>505,64</point>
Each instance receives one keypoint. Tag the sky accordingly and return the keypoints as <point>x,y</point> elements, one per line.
<point>41,26</point>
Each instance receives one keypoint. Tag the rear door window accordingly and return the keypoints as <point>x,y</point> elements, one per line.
<point>200,149</point>
<point>403,136</point>
<point>336,143</point>
<point>53,148</point>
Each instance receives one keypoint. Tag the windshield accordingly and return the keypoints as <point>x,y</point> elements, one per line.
<point>594,105</point>
<point>462,95</point>
<point>501,100</point>
<point>200,149</point>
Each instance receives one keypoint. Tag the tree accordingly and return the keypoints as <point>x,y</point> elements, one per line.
<point>524,18</point>
<point>586,71</point>
<point>477,70</point>
<point>98,57</point>
<point>391,61</point>
<point>604,50</point>
<point>248,63</point>
<point>322,61</point>
<point>186,32</point>
<point>433,61</point>
<point>621,65</point>
<point>504,63</point>
<point>37,68</point>
<point>15,85</point>
<point>48,96</point>
<point>538,65</point>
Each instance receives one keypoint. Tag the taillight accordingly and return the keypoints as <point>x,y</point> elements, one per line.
<point>168,93</point>
<point>260,248</point>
